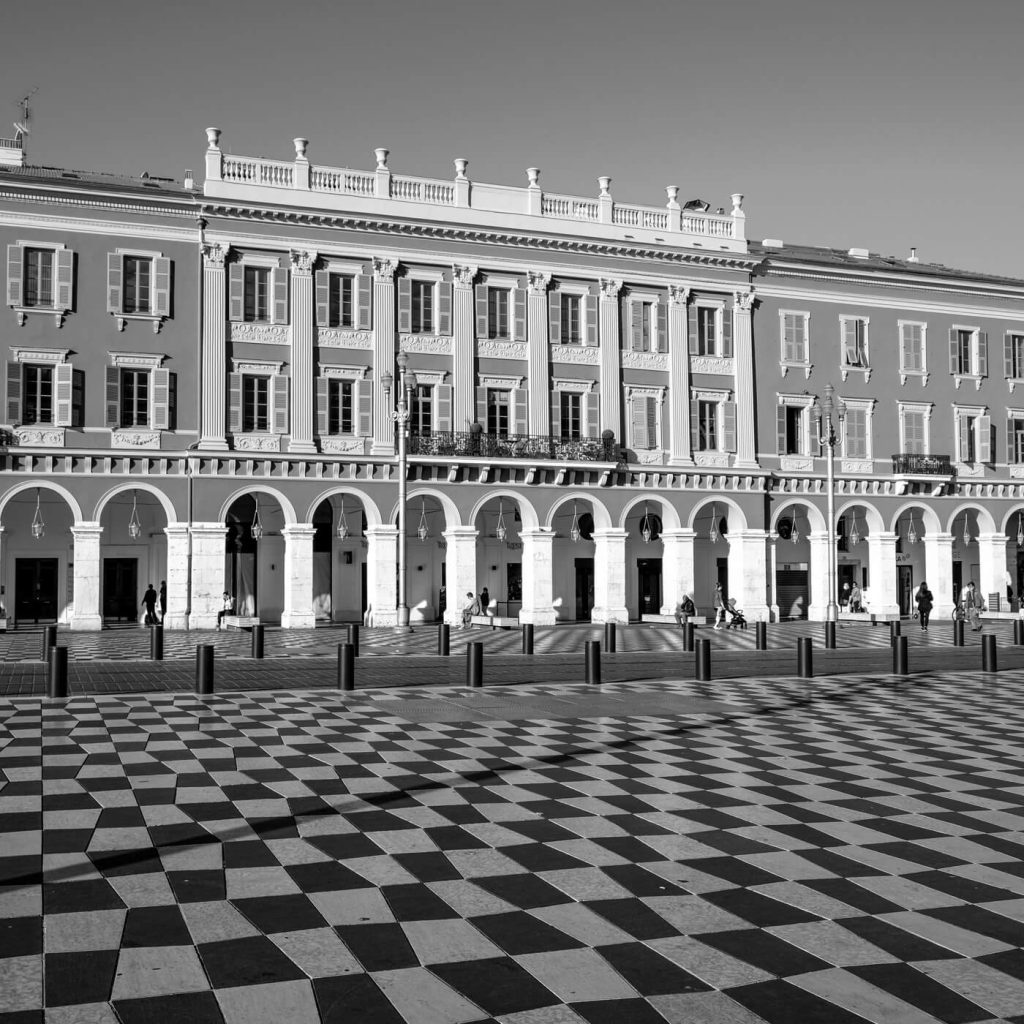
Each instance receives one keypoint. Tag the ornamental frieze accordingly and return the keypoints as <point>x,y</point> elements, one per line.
<point>331,337</point>
<point>645,360</point>
<point>343,445</point>
<point>135,439</point>
<point>856,466</point>
<point>501,349</point>
<point>432,344</point>
<point>260,334</point>
<point>29,436</point>
<point>581,355</point>
<point>720,365</point>
<point>715,459</point>
<point>257,442</point>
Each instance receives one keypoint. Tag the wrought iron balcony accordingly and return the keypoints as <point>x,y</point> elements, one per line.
<point>514,446</point>
<point>915,464</point>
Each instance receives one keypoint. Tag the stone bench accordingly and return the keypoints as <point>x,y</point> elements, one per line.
<point>698,619</point>
<point>241,621</point>
<point>495,621</point>
<point>873,617</point>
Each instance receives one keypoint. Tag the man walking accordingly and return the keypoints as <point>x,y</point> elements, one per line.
<point>924,605</point>
<point>149,603</point>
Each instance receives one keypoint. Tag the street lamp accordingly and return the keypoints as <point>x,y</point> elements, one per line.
<point>828,435</point>
<point>401,416</point>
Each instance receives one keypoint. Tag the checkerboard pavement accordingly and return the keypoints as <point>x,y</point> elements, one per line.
<point>839,851</point>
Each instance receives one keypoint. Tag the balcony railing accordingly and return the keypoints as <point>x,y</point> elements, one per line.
<point>514,446</point>
<point>914,464</point>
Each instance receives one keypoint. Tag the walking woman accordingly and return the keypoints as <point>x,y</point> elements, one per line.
<point>924,605</point>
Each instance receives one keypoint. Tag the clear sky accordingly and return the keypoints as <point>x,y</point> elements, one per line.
<point>875,123</point>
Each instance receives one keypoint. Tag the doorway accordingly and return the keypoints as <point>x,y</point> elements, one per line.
<point>648,589</point>
<point>584,588</point>
<point>121,589</point>
<point>35,590</point>
<point>792,591</point>
<point>958,581</point>
<point>905,587</point>
<point>722,576</point>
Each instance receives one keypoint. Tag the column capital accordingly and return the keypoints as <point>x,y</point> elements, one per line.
<point>298,530</point>
<point>678,533</point>
<point>302,260</point>
<point>86,529</point>
<point>460,533</point>
<point>993,538</point>
<point>380,530</point>
<point>611,533</point>
<point>214,255</point>
<point>209,528</point>
<point>610,288</point>
<point>538,533</point>
<point>176,529</point>
<point>537,282</point>
<point>384,268</point>
<point>745,300</point>
<point>678,294</point>
<point>463,275</point>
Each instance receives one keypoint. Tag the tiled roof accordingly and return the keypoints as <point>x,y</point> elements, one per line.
<point>95,180</point>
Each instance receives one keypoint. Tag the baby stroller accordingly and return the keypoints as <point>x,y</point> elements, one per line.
<point>737,620</point>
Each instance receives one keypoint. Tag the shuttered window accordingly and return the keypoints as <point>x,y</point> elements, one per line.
<point>856,446</point>
<point>1013,356</point>
<point>570,330</point>
<point>256,301</point>
<point>134,398</point>
<point>707,426</point>
<point>1015,440</point>
<point>968,438</point>
<point>911,348</point>
<point>340,301</point>
<point>497,312</point>
<point>340,407</point>
<point>422,307</point>
<point>854,341</point>
<point>37,394</point>
<point>255,404</point>
<point>968,351</point>
<point>38,279</point>
<point>645,421</point>
<point>570,415</point>
<point>914,440</point>
<point>138,281</point>
<point>707,331</point>
<point>498,412</point>
<point>794,338</point>
<point>422,422</point>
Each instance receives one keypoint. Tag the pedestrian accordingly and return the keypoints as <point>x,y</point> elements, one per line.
<point>973,607</point>
<point>844,596</point>
<point>471,608</point>
<point>163,599</point>
<point>719,606</point>
<point>485,601</point>
<point>227,607</point>
<point>685,610</point>
<point>149,603</point>
<point>856,600</point>
<point>924,605</point>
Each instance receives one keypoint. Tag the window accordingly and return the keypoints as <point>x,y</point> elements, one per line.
<point>570,320</point>
<point>794,349</point>
<point>140,393</point>
<point>914,421</point>
<point>497,312</point>
<point>707,331</point>
<point>421,423</point>
<point>497,412</point>
<point>43,389</point>
<point>422,307</point>
<point>340,300</point>
<point>974,436</point>
<point>138,278</point>
<point>713,421</point>
<point>707,426</point>
<point>138,286</point>
<point>793,426</point>
<point>340,407</point>
<point>343,296</point>
<point>1013,355</point>
<point>968,353</point>
<point>37,394</point>
<point>256,295</point>
<point>38,280</point>
<point>571,420</point>
<point>912,350</point>
<point>856,444</point>
<point>794,431</point>
<point>1015,437</point>
<point>134,398</point>
<point>258,399</point>
<point>644,419</point>
<point>255,404</point>
<point>854,340</point>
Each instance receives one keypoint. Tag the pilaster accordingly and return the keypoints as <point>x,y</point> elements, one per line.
<point>463,353</point>
<point>743,361</point>
<point>302,308</point>
<point>86,613</point>
<point>538,354</point>
<point>460,570</point>
<point>938,566</point>
<point>381,581</point>
<point>176,616</point>
<point>298,610</point>
<point>992,566</point>
<point>611,359</point>
<point>883,596</point>
<point>384,342</point>
<point>213,348</point>
<point>676,567</point>
<point>538,600</point>
<point>679,377</point>
<point>748,573</point>
<point>208,577</point>
<point>817,610</point>
<point>610,576</point>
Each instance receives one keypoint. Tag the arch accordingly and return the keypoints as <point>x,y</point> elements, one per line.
<point>876,524</point>
<point>527,513</point>
<point>602,518</point>
<point>717,500</point>
<point>259,488</point>
<point>930,518</point>
<point>815,517</point>
<point>986,522</point>
<point>57,488</point>
<point>1010,521</point>
<point>450,509</point>
<point>369,506</point>
<point>669,513</point>
<point>162,499</point>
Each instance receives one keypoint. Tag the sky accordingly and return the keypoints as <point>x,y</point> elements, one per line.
<point>882,124</point>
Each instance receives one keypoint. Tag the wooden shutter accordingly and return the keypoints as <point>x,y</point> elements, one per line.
<point>115,264</point>
<point>556,413</point>
<point>555,317</point>
<point>855,446</point>
<point>480,291</point>
<point>64,289</point>
<point>652,422</point>
<point>691,327</point>
<point>592,414</point>
<point>323,298</point>
<point>518,314</point>
<point>521,422</point>
<point>636,325</point>
<point>662,326</point>
<point>591,310</point>
<point>322,400</point>
<point>965,437</point>
<point>279,403</point>
<point>1011,448</point>
<point>14,387</point>
<point>63,381</point>
<point>364,304</point>
<point>481,407</point>
<point>695,424</point>
<point>236,291</point>
<point>113,393</point>
<point>443,395</point>
<point>15,275</point>
<point>235,403</point>
<point>982,355</point>
<point>906,347</point>
<point>727,332</point>
<point>279,295</point>
<point>364,407</point>
<point>638,407</point>
<point>728,426</point>
<point>161,286</point>
<point>444,307</point>
<point>160,407</point>
<point>984,427</point>
<point>404,305</point>
<point>954,363</point>
<point>780,429</point>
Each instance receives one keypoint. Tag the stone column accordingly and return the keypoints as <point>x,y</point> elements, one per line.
<point>381,573</point>
<point>680,443</point>
<point>773,564</point>
<point>460,570</point>
<point>676,567</point>
<point>538,354</point>
<point>298,577</point>
<point>301,315</point>
<point>86,608</point>
<point>463,349</point>
<point>748,573</point>
<point>743,359</point>
<point>817,610</point>
<point>992,567</point>
<point>610,576</point>
<point>938,567</point>
<point>883,597</point>
<point>176,616</point>
<point>538,600</point>
<point>611,359</point>
<point>213,407</point>
<point>384,342</point>
<point>208,574</point>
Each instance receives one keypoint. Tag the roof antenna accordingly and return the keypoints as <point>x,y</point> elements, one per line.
<point>22,126</point>
<point>12,151</point>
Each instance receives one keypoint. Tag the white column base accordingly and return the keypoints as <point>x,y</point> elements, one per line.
<point>86,622</point>
<point>620,615</point>
<point>176,621</point>
<point>298,620</point>
<point>302,447</point>
<point>538,616</point>
<point>386,617</point>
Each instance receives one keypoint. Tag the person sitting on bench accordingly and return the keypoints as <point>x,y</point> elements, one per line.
<point>227,608</point>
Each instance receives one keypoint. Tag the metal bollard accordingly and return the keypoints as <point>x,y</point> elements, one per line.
<point>830,636</point>
<point>958,632</point>
<point>988,653</point>
<point>49,640</point>
<point>156,642</point>
<point>592,662</point>
<point>894,628</point>
<point>57,679</point>
<point>257,640</point>
<point>609,637</point>
<point>527,638</point>
<point>688,637</point>
<point>804,657</point>
<point>475,664</point>
<point>761,636</point>
<point>899,656</point>
<point>353,637</point>
<point>1018,632</point>
<point>204,669</point>
<point>444,633</point>
<point>703,661</point>
<point>346,667</point>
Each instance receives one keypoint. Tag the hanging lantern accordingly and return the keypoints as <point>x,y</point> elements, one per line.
<point>342,522</point>
<point>134,524</point>
<point>713,533</point>
<point>645,526</point>
<point>421,531</point>
<point>256,529</point>
<point>499,531</point>
<point>912,533</point>
<point>855,537</point>
<point>967,532</point>
<point>1020,532</point>
<point>38,526</point>
<point>574,530</point>
<point>794,533</point>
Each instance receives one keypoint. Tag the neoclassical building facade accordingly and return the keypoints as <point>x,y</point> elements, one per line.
<point>608,404</point>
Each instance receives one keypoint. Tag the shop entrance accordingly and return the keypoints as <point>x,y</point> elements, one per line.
<point>584,588</point>
<point>35,590</point>
<point>905,587</point>
<point>648,586</point>
<point>121,589</point>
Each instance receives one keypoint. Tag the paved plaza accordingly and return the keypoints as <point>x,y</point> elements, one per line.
<point>835,850</point>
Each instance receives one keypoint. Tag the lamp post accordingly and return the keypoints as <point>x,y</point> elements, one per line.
<point>828,436</point>
<point>401,416</point>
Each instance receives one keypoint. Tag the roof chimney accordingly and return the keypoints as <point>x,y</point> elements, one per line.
<point>912,258</point>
